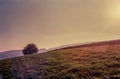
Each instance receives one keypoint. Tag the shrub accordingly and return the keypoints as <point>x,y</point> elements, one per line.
<point>30,49</point>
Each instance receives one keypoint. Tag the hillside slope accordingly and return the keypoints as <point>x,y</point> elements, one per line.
<point>10,54</point>
<point>91,61</point>
<point>16,53</point>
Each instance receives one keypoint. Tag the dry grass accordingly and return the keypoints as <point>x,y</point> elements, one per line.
<point>89,62</point>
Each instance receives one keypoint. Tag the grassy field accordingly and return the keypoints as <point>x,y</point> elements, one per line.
<point>89,62</point>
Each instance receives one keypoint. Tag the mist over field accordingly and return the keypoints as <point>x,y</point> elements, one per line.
<point>59,39</point>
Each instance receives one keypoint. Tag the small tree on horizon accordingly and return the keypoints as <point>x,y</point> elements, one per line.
<point>30,49</point>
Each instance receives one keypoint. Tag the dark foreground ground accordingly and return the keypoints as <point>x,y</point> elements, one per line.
<point>98,61</point>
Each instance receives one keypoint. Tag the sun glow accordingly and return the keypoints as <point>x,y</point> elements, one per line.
<point>114,11</point>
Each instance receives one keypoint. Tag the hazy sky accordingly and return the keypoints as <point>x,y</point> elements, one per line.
<point>51,23</point>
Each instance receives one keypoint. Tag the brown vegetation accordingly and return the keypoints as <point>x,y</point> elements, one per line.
<point>98,61</point>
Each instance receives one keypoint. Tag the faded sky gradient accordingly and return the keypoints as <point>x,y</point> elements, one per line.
<point>51,23</point>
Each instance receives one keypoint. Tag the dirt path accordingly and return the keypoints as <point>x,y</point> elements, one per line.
<point>29,68</point>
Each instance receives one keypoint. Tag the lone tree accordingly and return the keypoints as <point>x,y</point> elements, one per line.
<point>30,49</point>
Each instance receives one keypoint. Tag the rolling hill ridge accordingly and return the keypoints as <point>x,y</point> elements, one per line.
<point>99,60</point>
